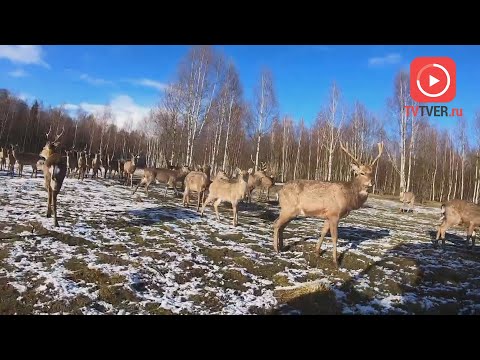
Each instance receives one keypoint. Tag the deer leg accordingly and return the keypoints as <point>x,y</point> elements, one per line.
<point>469,234</point>
<point>334,232</point>
<point>49,204</point>
<point>278,226</point>
<point>55,221</point>
<point>205,203</point>
<point>200,197</point>
<point>325,229</point>
<point>146,187</point>
<point>140,183</point>
<point>235,213</point>
<point>215,205</point>
<point>185,197</point>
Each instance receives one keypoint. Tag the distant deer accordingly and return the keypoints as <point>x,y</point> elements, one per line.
<point>198,181</point>
<point>96,165</point>
<point>54,170</point>
<point>407,198</point>
<point>112,166</point>
<point>3,158</point>
<point>232,191</point>
<point>10,162</point>
<point>459,212</point>
<point>82,163</point>
<point>163,176</point>
<point>331,201</point>
<point>23,158</point>
<point>72,161</point>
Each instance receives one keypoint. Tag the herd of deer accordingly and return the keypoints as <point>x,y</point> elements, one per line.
<point>330,201</point>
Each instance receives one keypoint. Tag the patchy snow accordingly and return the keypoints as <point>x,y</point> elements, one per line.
<point>118,253</point>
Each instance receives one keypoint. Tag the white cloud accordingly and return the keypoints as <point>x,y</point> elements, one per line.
<point>24,54</point>
<point>94,81</point>
<point>124,109</point>
<point>26,96</point>
<point>385,60</point>
<point>151,83</point>
<point>18,73</point>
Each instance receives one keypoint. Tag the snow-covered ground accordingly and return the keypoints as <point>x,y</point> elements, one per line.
<point>118,253</point>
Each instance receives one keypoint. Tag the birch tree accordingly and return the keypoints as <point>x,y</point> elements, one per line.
<point>265,106</point>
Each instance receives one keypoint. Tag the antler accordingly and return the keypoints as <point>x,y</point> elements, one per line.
<point>251,158</point>
<point>349,153</point>
<point>49,131</point>
<point>58,136</point>
<point>380,151</point>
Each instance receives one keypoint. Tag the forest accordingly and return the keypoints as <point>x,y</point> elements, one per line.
<point>202,117</point>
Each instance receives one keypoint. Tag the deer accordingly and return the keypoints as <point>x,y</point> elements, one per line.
<point>261,180</point>
<point>25,158</point>
<point>3,158</point>
<point>82,163</point>
<point>54,170</point>
<point>232,191</point>
<point>96,165</point>
<point>113,166</point>
<point>72,161</point>
<point>164,176</point>
<point>330,201</point>
<point>129,169</point>
<point>10,162</point>
<point>407,197</point>
<point>89,162</point>
<point>198,181</point>
<point>459,212</point>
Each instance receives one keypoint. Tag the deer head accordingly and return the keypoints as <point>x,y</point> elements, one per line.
<point>364,173</point>
<point>51,145</point>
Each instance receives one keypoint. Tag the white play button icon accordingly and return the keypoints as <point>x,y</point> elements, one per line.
<point>432,80</point>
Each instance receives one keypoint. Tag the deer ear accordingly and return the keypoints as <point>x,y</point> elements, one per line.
<point>355,168</point>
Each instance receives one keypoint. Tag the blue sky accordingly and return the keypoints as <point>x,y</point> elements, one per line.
<point>131,78</point>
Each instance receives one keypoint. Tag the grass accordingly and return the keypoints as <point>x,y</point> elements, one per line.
<point>154,256</point>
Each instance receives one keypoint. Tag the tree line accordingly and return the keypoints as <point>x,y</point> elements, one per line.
<point>203,118</point>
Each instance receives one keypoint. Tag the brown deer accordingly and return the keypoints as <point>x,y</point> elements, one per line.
<point>96,165</point>
<point>409,198</point>
<point>10,162</point>
<point>163,176</point>
<point>227,190</point>
<point>331,201</point>
<point>459,212</point>
<point>112,166</point>
<point>82,163</point>
<point>129,169</point>
<point>72,161</point>
<point>54,170</point>
<point>197,181</point>
<point>25,158</point>
<point>3,158</point>
<point>259,180</point>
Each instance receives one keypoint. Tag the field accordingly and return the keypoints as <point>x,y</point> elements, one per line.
<point>118,253</point>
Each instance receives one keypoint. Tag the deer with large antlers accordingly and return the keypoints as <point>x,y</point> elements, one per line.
<point>54,172</point>
<point>331,201</point>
